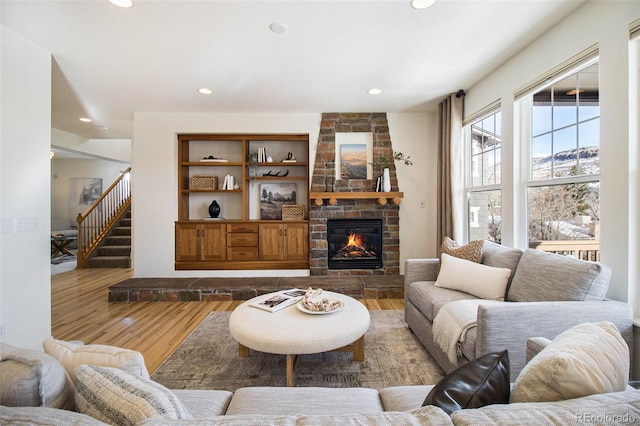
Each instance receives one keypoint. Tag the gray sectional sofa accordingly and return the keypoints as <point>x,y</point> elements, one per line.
<point>546,295</point>
<point>38,380</point>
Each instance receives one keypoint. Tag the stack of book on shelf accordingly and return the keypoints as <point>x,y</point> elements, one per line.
<point>273,302</point>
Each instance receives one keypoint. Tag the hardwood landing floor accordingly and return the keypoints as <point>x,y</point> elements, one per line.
<point>80,311</point>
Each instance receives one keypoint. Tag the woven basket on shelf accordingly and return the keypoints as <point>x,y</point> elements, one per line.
<point>204,182</point>
<point>292,212</point>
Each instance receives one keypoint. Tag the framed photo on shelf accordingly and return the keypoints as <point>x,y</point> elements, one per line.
<point>273,196</point>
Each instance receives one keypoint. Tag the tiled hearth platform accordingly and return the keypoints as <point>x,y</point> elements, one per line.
<point>222,289</point>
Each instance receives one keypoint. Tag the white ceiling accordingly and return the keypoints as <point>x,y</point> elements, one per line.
<point>110,62</point>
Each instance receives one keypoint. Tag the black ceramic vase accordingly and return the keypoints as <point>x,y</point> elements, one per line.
<point>214,209</point>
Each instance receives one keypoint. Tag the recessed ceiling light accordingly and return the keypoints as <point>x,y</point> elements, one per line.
<point>278,28</point>
<point>422,4</point>
<point>374,91</point>
<point>85,119</point>
<point>122,3</point>
<point>205,91</point>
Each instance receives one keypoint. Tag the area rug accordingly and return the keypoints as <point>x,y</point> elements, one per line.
<point>208,359</point>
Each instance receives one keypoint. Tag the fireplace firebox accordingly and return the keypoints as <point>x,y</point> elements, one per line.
<point>354,243</point>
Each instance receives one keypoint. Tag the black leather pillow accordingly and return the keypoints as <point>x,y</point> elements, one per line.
<point>481,382</point>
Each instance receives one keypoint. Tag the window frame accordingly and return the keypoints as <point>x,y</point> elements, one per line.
<point>524,105</point>
<point>469,188</point>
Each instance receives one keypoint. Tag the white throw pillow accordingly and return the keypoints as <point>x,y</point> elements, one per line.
<point>476,279</point>
<point>71,355</point>
<point>590,358</point>
<point>117,397</point>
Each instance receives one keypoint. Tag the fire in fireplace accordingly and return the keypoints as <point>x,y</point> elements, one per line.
<point>354,243</point>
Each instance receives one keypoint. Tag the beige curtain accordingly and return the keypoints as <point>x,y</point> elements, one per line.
<point>450,169</point>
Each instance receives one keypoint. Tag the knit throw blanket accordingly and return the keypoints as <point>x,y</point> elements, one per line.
<point>453,321</point>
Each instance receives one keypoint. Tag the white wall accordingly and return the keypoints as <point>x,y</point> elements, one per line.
<point>154,180</point>
<point>25,138</point>
<point>116,149</point>
<point>64,169</point>
<point>606,23</point>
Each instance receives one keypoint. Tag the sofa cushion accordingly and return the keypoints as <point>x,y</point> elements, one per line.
<point>33,379</point>
<point>587,359</point>
<point>424,416</point>
<point>204,403</point>
<point>44,416</point>
<point>71,355</point>
<point>479,280</point>
<point>404,398</point>
<point>471,252</point>
<point>115,396</point>
<point>428,298</point>
<point>269,400</point>
<point>481,382</point>
<point>621,408</point>
<point>545,276</point>
<point>500,256</point>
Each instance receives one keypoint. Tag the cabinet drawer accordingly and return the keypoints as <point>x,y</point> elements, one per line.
<point>242,227</point>
<point>242,239</point>
<point>242,253</point>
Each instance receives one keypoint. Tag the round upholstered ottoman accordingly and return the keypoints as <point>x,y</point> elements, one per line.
<point>292,332</point>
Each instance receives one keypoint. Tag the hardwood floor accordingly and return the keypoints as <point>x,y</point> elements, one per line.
<point>80,311</point>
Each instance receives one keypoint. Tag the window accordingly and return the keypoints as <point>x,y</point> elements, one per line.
<point>563,186</point>
<point>484,178</point>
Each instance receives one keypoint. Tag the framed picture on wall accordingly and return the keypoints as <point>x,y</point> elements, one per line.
<point>83,192</point>
<point>273,196</point>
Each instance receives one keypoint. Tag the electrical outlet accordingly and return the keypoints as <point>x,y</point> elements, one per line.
<point>6,226</point>
<point>422,204</point>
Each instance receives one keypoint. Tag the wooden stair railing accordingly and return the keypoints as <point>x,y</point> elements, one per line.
<point>94,224</point>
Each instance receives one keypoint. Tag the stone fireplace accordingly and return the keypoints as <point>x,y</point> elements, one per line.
<point>353,198</point>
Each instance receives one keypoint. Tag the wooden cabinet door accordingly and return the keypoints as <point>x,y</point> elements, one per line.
<point>296,241</point>
<point>187,242</point>
<point>213,242</point>
<point>270,241</point>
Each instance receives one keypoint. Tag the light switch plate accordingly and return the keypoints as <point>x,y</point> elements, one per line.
<point>6,226</point>
<point>26,224</point>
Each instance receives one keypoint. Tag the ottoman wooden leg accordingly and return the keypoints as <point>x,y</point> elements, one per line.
<point>292,361</point>
<point>243,351</point>
<point>358,350</point>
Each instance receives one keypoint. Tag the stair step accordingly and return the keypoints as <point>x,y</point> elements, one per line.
<point>124,250</point>
<point>125,222</point>
<point>121,230</point>
<point>117,240</point>
<point>109,262</point>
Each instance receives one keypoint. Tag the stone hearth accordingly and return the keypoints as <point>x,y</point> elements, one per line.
<point>377,124</point>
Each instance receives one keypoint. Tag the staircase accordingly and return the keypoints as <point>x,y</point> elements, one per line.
<point>115,249</point>
<point>104,230</point>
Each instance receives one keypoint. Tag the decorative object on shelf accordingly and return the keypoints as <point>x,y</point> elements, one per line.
<point>386,180</point>
<point>262,155</point>
<point>229,182</point>
<point>276,174</point>
<point>204,182</point>
<point>253,164</point>
<point>273,196</point>
<point>269,159</point>
<point>292,212</point>
<point>236,186</point>
<point>214,209</point>
<point>291,158</point>
<point>215,159</point>
<point>387,160</point>
<point>329,176</point>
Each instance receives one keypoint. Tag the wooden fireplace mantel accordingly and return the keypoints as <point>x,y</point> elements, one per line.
<point>382,197</point>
